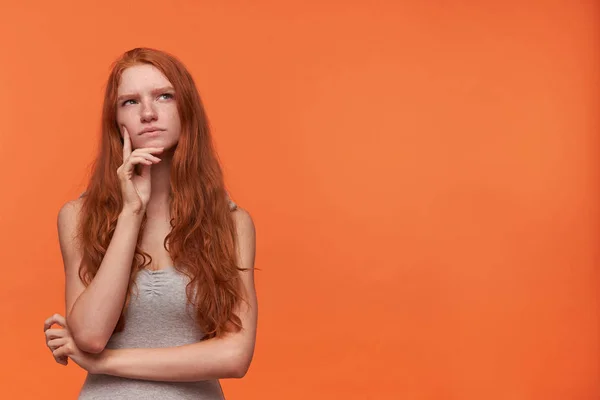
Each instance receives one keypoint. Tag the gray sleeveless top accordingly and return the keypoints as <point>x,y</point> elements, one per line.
<point>158,315</point>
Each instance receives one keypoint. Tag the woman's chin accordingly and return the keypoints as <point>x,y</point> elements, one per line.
<point>157,142</point>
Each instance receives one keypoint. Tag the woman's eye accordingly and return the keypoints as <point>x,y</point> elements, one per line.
<point>166,96</point>
<point>127,102</point>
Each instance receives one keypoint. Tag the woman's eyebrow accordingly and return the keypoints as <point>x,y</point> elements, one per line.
<point>163,89</point>
<point>155,91</point>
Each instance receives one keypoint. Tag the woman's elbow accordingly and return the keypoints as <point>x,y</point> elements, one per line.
<point>92,347</point>
<point>89,343</point>
<point>238,372</point>
<point>240,365</point>
<point>86,340</point>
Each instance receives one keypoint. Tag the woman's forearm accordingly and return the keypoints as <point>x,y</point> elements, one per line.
<point>95,313</point>
<point>206,360</point>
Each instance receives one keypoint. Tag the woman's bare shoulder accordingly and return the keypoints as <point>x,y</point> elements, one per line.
<point>243,221</point>
<point>69,213</point>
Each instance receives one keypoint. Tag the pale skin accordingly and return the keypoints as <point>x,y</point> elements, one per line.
<point>145,103</point>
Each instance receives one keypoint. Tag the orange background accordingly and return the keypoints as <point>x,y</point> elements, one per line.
<point>424,179</point>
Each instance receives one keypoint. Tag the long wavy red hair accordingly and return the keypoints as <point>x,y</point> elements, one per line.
<point>202,240</point>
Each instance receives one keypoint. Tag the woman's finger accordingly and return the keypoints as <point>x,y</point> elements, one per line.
<point>55,333</point>
<point>55,319</point>
<point>148,150</point>
<point>145,156</point>
<point>126,143</point>
<point>129,166</point>
<point>62,351</point>
<point>53,344</point>
<point>133,161</point>
<point>125,170</point>
<point>139,157</point>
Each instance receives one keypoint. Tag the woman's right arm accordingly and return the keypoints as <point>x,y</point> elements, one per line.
<point>92,312</point>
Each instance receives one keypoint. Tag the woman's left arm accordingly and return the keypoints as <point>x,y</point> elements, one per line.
<point>218,358</point>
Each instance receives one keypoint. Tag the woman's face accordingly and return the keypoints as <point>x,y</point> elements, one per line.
<point>146,107</point>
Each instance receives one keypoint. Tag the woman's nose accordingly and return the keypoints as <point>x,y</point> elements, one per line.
<point>148,113</point>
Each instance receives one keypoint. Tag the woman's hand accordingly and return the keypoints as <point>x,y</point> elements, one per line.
<point>136,188</point>
<point>56,336</point>
<point>61,343</point>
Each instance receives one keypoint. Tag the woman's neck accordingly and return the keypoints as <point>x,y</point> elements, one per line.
<point>160,176</point>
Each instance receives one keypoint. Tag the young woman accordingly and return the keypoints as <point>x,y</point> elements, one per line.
<point>159,262</point>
